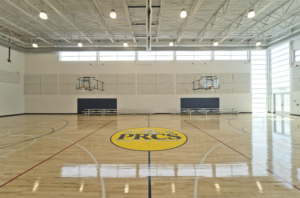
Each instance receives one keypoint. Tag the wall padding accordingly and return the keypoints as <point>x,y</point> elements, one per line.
<point>146,78</point>
<point>165,88</point>
<point>108,78</point>
<point>32,79</point>
<point>67,89</point>
<point>165,78</point>
<point>32,89</point>
<point>225,78</point>
<point>67,79</point>
<point>10,77</point>
<point>241,78</point>
<point>125,88</point>
<point>241,88</point>
<point>49,89</point>
<point>185,78</point>
<point>49,79</point>
<point>146,88</point>
<point>109,89</point>
<point>185,88</point>
<point>126,78</point>
<point>224,89</point>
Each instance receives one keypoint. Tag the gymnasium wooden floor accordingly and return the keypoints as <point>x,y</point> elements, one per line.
<point>225,156</point>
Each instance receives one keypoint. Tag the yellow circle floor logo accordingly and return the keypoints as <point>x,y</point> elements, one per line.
<point>148,139</point>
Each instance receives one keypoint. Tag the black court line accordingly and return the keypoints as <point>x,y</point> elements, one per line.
<point>149,168</point>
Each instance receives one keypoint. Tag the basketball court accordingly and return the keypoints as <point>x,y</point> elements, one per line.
<point>149,99</point>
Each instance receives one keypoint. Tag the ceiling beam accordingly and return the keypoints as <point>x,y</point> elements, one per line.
<point>100,20</point>
<point>34,19</point>
<point>125,4</point>
<point>75,26</point>
<point>242,16</point>
<point>12,37</point>
<point>212,20</point>
<point>159,19</point>
<point>64,35</point>
<point>148,24</point>
<point>275,22</point>
<point>190,15</point>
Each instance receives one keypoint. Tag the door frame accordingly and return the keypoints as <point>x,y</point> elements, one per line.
<point>282,104</point>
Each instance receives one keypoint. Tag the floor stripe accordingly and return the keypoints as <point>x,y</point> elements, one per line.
<point>296,187</point>
<point>149,176</point>
<point>52,156</point>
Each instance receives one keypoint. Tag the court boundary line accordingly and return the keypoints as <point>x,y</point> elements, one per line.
<point>296,187</point>
<point>52,156</point>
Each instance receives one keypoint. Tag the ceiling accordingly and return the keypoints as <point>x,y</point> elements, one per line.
<point>89,22</point>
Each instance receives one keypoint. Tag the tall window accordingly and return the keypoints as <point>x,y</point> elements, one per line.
<point>159,55</point>
<point>259,81</point>
<point>117,56</point>
<point>78,56</point>
<point>230,55</point>
<point>280,69</point>
<point>297,55</point>
<point>193,55</point>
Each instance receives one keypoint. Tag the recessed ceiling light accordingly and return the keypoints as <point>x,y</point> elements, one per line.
<point>43,15</point>
<point>183,13</point>
<point>113,14</point>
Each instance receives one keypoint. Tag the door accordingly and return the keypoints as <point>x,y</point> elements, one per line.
<point>282,103</point>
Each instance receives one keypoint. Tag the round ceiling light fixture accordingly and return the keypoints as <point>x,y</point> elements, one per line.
<point>258,43</point>
<point>251,14</point>
<point>125,44</point>
<point>183,13</point>
<point>113,14</point>
<point>216,43</point>
<point>79,44</point>
<point>35,45</point>
<point>43,15</point>
<point>171,44</point>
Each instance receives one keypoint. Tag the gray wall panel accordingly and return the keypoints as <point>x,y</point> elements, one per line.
<point>49,89</point>
<point>225,78</point>
<point>32,89</point>
<point>49,79</point>
<point>126,78</point>
<point>224,88</point>
<point>146,88</point>
<point>108,78</point>
<point>165,78</point>
<point>67,79</point>
<point>125,88</point>
<point>241,78</point>
<point>185,78</point>
<point>241,88</point>
<point>109,89</point>
<point>67,89</point>
<point>165,88</point>
<point>10,77</point>
<point>32,79</point>
<point>146,78</point>
<point>185,88</point>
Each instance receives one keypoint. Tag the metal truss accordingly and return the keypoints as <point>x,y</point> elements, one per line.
<point>52,26</point>
<point>22,24</point>
<point>191,13</point>
<point>129,20</point>
<point>282,15</point>
<point>159,19</point>
<point>241,18</point>
<point>12,35</point>
<point>100,20</point>
<point>216,19</point>
<point>74,22</point>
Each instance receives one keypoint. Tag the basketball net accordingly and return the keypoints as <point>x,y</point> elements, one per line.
<point>84,88</point>
<point>211,87</point>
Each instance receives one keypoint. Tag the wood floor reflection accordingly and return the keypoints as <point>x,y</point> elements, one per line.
<point>225,156</point>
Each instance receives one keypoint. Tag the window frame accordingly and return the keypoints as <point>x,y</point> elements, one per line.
<point>61,56</point>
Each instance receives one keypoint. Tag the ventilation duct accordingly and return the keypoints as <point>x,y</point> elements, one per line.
<point>148,24</point>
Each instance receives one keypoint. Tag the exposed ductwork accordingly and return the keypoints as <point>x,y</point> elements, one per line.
<point>148,24</point>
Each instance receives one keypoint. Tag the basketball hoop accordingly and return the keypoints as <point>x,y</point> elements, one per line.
<point>206,82</point>
<point>89,83</point>
<point>211,87</point>
<point>83,88</point>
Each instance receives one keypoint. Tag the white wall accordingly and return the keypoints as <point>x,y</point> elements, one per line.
<point>11,82</point>
<point>295,78</point>
<point>56,102</point>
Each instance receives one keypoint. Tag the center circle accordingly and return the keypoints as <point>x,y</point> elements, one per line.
<point>148,139</point>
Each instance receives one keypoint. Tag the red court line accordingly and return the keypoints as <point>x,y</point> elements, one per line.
<point>245,156</point>
<point>53,155</point>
